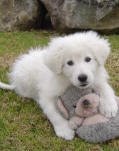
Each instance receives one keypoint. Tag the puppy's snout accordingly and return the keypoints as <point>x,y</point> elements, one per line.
<point>82,78</point>
<point>86,103</point>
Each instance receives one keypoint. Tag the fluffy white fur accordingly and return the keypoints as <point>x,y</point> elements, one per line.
<point>44,75</point>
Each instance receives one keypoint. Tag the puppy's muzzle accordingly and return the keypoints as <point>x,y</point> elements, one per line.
<point>83,80</point>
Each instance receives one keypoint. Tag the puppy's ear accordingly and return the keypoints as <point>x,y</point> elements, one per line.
<point>55,56</point>
<point>56,62</point>
<point>101,50</point>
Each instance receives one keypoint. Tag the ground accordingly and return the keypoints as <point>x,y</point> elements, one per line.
<point>23,126</point>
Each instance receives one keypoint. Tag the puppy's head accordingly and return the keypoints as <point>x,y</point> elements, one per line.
<point>78,57</point>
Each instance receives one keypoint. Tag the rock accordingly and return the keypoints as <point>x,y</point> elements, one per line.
<point>18,14</point>
<point>84,14</point>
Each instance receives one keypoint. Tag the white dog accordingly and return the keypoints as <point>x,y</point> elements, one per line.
<point>45,74</point>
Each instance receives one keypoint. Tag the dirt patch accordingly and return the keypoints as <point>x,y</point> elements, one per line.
<point>113,68</point>
<point>113,63</point>
<point>6,60</point>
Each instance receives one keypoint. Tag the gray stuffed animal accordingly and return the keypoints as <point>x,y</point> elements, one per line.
<point>81,108</point>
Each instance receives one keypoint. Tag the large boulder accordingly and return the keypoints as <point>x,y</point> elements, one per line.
<point>18,14</point>
<point>84,14</point>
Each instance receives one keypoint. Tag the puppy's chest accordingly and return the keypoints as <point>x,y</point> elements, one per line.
<point>60,86</point>
<point>54,85</point>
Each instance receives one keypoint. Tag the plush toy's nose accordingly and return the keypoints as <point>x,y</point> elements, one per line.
<point>86,103</point>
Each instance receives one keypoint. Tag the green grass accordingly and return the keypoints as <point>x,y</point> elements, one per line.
<point>23,126</point>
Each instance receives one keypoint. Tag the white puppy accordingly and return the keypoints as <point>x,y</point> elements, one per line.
<point>45,74</point>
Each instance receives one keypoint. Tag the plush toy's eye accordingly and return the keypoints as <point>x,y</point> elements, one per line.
<point>70,62</point>
<point>74,106</point>
<point>87,59</point>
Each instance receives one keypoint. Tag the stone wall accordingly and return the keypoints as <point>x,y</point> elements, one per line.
<point>84,14</point>
<point>18,14</point>
<point>65,15</point>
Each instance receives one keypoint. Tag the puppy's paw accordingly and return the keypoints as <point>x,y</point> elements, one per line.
<point>109,110</point>
<point>64,131</point>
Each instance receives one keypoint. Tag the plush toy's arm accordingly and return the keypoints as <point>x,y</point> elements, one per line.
<point>75,122</point>
<point>62,109</point>
<point>98,118</point>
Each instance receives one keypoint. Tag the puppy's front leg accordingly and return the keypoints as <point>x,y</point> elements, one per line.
<point>108,104</point>
<point>61,126</point>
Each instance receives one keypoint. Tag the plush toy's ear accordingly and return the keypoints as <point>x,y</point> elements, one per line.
<point>62,109</point>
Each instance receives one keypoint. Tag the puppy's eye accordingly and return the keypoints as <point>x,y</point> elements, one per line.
<point>87,59</point>
<point>70,62</point>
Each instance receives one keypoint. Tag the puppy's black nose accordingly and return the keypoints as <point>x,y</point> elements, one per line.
<point>86,103</point>
<point>82,78</point>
